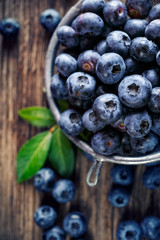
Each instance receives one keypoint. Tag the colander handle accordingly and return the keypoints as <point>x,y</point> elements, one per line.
<point>95,168</point>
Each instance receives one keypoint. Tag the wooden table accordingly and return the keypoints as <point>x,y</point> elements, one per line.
<point>21,84</point>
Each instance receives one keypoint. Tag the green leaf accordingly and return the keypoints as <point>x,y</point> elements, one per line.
<point>32,155</point>
<point>37,116</point>
<point>61,154</point>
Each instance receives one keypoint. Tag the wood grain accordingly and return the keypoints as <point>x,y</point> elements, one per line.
<point>21,84</point>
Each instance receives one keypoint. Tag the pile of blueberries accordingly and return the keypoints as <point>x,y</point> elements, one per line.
<point>63,191</point>
<point>109,72</point>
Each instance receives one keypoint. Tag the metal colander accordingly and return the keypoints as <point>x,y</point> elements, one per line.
<point>99,159</point>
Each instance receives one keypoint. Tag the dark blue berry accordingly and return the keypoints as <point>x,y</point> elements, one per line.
<point>126,148</point>
<point>95,6</point>
<point>101,47</point>
<point>143,50</point>
<point>44,179</point>
<point>75,224</point>
<point>106,142</point>
<point>63,191</point>
<point>138,8</point>
<point>158,58</point>
<point>81,85</point>
<point>71,122</point>
<point>134,91</point>
<point>91,122</point>
<point>58,87</point>
<point>66,64</point>
<point>49,19</point>
<point>154,100</point>
<point>119,196</point>
<point>129,230</point>
<point>156,123</point>
<point>132,66</point>
<point>122,174</point>
<point>9,27</point>
<point>87,61</point>
<point>107,108</point>
<point>154,13</point>
<point>118,42</point>
<point>153,76</point>
<point>151,227</point>
<point>55,233</point>
<point>67,36</point>
<point>151,177</point>
<point>115,13</point>
<point>138,124</point>
<point>110,68</point>
<point>119,124</point>
<point>88,24</point>
<point>80,103</point>
<point>45,216</point>
<point>135,27</point>
<point>145,144</point>
<point>152,30</point>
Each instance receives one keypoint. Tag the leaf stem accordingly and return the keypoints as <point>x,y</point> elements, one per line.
<point>52,129</point>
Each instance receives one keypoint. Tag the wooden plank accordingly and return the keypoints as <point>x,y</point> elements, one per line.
<point>21,84</point>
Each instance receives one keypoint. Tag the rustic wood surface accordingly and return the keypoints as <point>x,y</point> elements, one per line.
<point>21,84</point>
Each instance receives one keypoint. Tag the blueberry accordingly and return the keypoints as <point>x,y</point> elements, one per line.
<point>154,13</point>
<point>119,196</point>
<point>126,148</point>
<point>71,122</point>
<point>45,216</point>
<point>158,58</point>
<point>135,27</point>
<point>87,61</point>
<point>154,101</point>
<point>134,91</point>
<point>101,47</point>
<point>152,30</point>
<point>151,177</point>
<point>115,13</point>
<point>118,42</point>
<point>106,142</point>
<point>119,124</point>
<point>88,24</point>
<point>87,42</point>
<point>79,103</point>
<point>110,68</point>
<point>91,122</point>
<point>156,123</point>
<point>63,191</point>
<point>129,230</point>
<point>44,179</point>
<point>106,30</point>
<point>81,85</point>
<point>67,36</point>
<point>143,50</point>
<point>138,8</point>
<point>153,76</point>
<point>107,108</point>
<point>95,6</point>
<point>138,124</point>
<point>58,87</point>
<point>151,227</point>
<point>145,144</point>
<point>66,64</point>
<point>9,27</point>
<point>122,174</point>
<point>75,224</point>
<point>132,66</point>
<point>49,19</point>
<point>55,233</point>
